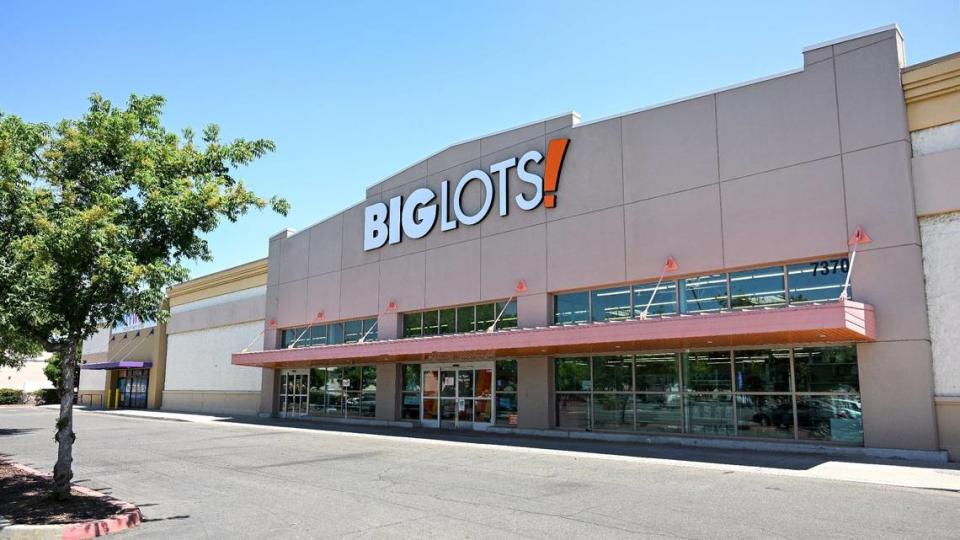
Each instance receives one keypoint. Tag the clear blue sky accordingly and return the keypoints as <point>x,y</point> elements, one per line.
<point>351,92</point>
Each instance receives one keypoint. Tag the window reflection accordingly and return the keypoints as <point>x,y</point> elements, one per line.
<point>745,393</point>
<point>760,287</point>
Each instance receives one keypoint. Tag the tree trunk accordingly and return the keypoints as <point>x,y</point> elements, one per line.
<point>63,470</point>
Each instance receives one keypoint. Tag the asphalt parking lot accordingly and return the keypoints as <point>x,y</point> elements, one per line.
<point>219,480</point>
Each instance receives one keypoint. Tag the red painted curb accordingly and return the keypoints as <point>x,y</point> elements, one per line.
<point>129,515</point>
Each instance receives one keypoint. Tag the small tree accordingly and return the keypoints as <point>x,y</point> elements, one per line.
<point>97,216</point>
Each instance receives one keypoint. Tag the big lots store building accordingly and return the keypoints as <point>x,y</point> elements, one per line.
<point>767,262</point>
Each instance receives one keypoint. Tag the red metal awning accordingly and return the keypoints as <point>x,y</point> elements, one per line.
<point>838,322</point>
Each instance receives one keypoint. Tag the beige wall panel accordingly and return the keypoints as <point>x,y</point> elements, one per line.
<point>880,195</point>
<point>586,249</point>
<point>784,214</point>
<point>271,312</point>
<point>401,279</point>
<point>292,306</point>
<point>852,44</point>
<point>388,399</point>
<point>780,122</point>
<point>892,281</point>
<point>936,180</point>
<point>948,423</point>
<point>323,294</point>
<point>534,310</point>
<point>325,246</point>
<point>359,291</point>
<point>352,250</point>
<point>563,121</point>
<point>294,255</point>
<point>684,225</point>
<point>453,156</point>
<point>501,141</point>
<point>509,257</point>
<point>273,261</point>
<point>515,218</point>
<point>817,55</point>
<point>453,274</point>
<point>592,174</point>
<point>670,149</point>
<point>897,390</point>
<point>870,95</point>
<point>533,393</point>
<point>414,172</point>
<point>472,198</point>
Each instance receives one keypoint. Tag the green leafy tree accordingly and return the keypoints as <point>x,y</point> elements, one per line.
<point>97,217</point>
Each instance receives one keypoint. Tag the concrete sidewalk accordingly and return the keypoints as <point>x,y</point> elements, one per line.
<point>900,473</point>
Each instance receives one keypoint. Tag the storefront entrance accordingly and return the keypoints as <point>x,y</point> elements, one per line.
<point>457,396</point>
<point>132,387</point>
<point>293,392</point>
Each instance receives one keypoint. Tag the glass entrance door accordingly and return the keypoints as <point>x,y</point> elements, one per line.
<point>457,396</point>
<point>293,393</point>
<point>132,388</point>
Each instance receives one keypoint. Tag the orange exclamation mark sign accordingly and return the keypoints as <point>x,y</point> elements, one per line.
<point>556,149</point>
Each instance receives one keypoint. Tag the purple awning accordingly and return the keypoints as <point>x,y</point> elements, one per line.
<point>117,365</point>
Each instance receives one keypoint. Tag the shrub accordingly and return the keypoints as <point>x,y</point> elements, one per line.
<point>45,396</point>
<point>10,396</point>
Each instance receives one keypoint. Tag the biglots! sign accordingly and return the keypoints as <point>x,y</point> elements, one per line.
<point>415,215</point>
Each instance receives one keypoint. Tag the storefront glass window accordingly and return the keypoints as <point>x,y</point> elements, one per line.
<point>758,400</point>
<point>664,303</point>
<point>573,374</point>
<point>830,418</point>
<point>709,414</point>
<point>610,304</point>
<point>704,293</point>
<point>762,370</point>
<point>318,335</point>
<point>430,323</point>
<point>658,413</point>
<point>571,308</point>
<point>613,412</point>
<point>352,330</point>
<point>410,398</point>
<point>412,324</point>
<point>827,369</point>
<point>613,373</point>
<point>508,319</point>
<point>657,373</point>
<point>573,411</point>
<point>466,319</point>
<point>759,287</point>
<point>448,321</point>
<point>817,281</point>
<point>486,313</point>
<point>765,416</point>
<point>707,371</point>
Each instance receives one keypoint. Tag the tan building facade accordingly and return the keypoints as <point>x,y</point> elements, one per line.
<point>932,93</point>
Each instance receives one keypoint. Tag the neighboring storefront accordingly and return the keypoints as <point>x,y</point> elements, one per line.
<point>210,318</point>
<point>122,367</point>
<point>932,92</point>
<point>742,264</point>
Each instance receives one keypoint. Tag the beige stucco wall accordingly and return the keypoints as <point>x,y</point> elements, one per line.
<point>200,360</point>
<point>941,258</point>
